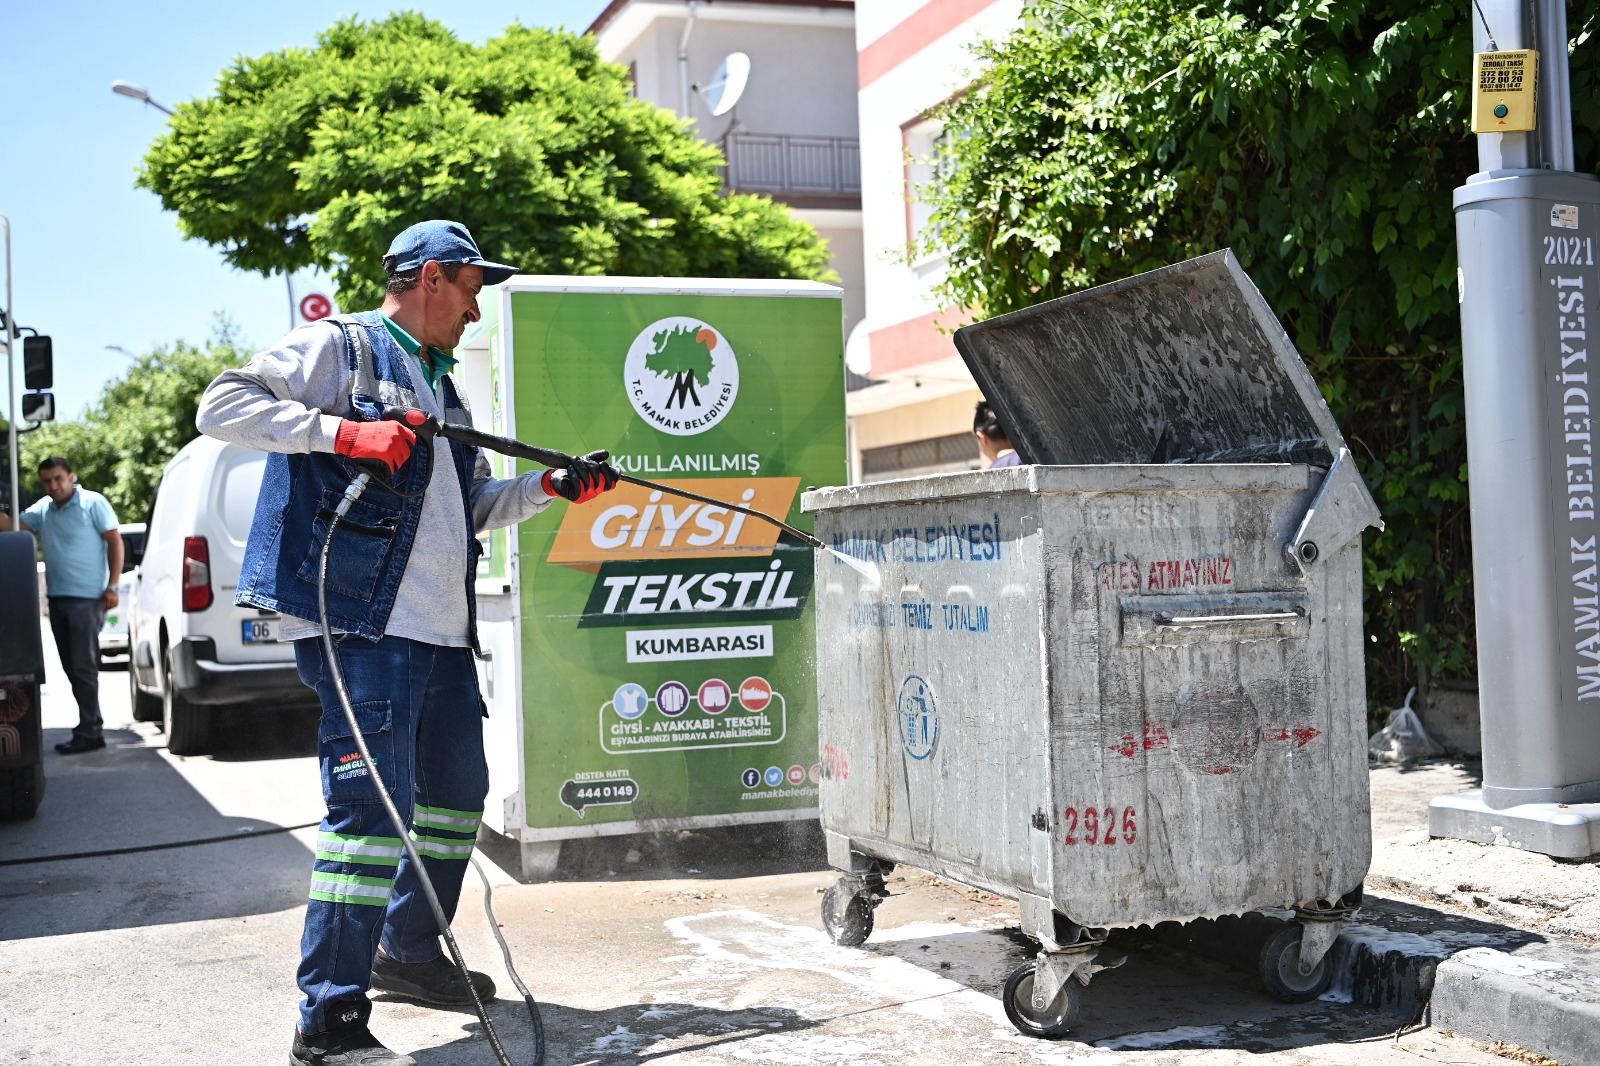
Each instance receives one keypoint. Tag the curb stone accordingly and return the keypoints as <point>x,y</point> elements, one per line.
<point>1482,980</point>
<point>1544,997</point>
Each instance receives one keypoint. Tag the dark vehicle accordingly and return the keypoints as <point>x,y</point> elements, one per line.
<point>21,675</point>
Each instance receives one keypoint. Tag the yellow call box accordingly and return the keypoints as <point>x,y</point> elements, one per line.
<point>1503,85</point>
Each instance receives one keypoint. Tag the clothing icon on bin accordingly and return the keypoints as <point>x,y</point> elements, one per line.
<point>630,701</point>
<point>672,698</point>
<point>715,696</point>
<point>919,717</point>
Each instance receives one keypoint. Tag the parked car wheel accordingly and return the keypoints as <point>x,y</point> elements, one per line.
<point>188,726</point>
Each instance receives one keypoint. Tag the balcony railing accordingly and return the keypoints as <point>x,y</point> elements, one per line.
<point>782,165</point>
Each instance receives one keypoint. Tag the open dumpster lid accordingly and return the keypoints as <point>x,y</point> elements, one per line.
<point>1182,364</point>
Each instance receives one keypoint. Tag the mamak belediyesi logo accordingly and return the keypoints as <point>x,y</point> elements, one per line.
<point>682,375</point>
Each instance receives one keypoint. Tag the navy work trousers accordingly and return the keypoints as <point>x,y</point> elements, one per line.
<point>75,622</point>
<point>419,710</point>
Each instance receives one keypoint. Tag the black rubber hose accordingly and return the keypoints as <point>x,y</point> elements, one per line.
<point>135,849</point>
<point>505,953</point>
<point>336,674</point>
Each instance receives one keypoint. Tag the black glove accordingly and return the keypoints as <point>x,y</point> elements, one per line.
<point>586,477</point>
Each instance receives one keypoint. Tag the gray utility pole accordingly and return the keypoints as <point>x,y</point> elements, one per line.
<point>1528,234</point>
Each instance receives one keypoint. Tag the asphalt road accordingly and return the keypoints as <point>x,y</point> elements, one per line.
<point>705,948</point>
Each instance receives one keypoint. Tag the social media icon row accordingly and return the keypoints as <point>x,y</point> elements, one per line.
<point>777,775</point>
<point>672,698</point>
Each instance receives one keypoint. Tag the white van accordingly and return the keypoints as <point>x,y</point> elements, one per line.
<point>192,651</point>
<point>114,631</point>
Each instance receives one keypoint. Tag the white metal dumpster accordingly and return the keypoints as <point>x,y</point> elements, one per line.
<point>1124,688</point>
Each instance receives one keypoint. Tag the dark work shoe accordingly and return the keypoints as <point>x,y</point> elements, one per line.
<point>79,745</point>
<point>435,983</point>
<point>352,1046</point>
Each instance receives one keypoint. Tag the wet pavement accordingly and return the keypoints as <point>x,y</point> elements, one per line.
<point>705,948</point>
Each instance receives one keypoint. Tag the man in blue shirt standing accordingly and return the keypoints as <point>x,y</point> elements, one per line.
<point>82,561</point>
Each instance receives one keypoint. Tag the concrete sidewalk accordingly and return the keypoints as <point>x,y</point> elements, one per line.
<point>706,949</point>
<point>1519,888</point>
<point>1491,943</point>
<point>1503,945</point>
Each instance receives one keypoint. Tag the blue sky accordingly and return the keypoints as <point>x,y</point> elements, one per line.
<point>97,262</point>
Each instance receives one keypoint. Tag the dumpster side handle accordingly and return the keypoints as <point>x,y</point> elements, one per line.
<point>1340,511</point>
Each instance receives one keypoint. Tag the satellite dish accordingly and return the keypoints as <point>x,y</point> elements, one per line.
<point>858,350</point>
<point>727,84</point>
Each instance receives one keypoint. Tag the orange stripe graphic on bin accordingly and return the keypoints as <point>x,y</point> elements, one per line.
<point>634,522</point>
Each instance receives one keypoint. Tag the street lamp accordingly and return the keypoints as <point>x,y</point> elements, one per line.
<point>138,92</point>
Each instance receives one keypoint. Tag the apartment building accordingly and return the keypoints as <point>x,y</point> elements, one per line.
<point>836,123</point>
<point>912,56</point>
<point>792,135</point>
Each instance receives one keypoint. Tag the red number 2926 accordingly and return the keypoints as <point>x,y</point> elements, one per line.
<point>1099,826</point>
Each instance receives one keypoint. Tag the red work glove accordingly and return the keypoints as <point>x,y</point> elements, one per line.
<point>387,442</point>
<point>587,477</point>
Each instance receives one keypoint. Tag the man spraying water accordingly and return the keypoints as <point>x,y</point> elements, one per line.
<point>399,593</point>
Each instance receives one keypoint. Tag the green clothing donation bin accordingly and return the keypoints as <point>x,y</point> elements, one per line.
<point>648,662</point>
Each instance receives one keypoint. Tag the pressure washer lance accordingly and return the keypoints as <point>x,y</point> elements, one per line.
<point>426,425</point>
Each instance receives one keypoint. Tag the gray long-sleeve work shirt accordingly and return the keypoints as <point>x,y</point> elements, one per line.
<point>279,402</point>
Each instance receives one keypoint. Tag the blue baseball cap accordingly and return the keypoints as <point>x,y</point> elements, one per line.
<point>445,242</point>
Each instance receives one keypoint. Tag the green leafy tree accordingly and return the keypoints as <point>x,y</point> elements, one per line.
<point>681,350</point>
<point>124,439</point>
<point>319,156</point>
<point>1320,140</point>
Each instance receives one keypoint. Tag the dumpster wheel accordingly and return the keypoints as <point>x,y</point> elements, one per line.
<point>846,914</point>
<point>1053,1023</point>
<point>1280,968</point>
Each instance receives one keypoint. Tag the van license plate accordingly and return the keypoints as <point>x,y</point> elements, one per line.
<point>258,631</point>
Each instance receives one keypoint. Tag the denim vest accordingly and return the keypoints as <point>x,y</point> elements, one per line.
<point>373,541</point>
